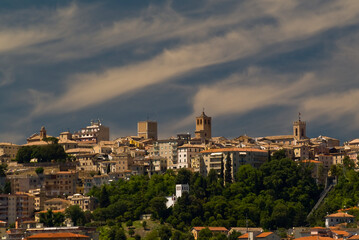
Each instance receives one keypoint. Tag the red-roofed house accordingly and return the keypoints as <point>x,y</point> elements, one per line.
<point>337,218</point>
<point>260,236</point>
<point>196,230</point>
<point>58,236</point>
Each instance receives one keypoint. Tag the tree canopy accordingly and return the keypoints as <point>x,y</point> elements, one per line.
<point>278,194</point>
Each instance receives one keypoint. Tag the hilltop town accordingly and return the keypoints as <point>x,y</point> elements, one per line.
<point>51,182</point>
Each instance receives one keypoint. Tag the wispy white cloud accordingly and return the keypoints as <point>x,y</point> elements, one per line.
<point>88,89</point>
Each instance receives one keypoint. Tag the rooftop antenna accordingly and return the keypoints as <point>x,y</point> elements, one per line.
<point>299,116</point>
<point>203,109</point>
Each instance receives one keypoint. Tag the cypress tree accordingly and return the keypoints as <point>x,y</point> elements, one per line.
<point>228,172</point>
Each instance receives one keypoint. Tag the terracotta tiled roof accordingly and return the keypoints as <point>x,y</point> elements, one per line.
<point>311,161</point>
<point>314,238</point>
<point>57,235</point>
<point>244,236</point>
<point>54,211</point>
<point>354,237</point>
<point>344,233</point>
<point>264,234</point>
<point>341,214</point>
<point>233,150</point>
<point>347,209</point>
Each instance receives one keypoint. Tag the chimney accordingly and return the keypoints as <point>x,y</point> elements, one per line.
<point>250,236</point>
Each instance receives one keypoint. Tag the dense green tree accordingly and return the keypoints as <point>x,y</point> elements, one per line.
<point>104,197</point>
<point>3,169</point>
<point>348,163</point>
<point>228,171</point>
<point>45,153</point>
<point>164,232</point>
<point>76,214</point>
<point>39,170</point>
<point>158,207</point>
<point>51,219</point>
<point>221,176</point>
<point>24,154</point>
<point>234,235</point>
<point>205,234</point>
<point>183,176</point>
<point>278,155</point>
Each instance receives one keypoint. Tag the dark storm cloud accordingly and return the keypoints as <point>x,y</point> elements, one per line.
<point>66,62</point>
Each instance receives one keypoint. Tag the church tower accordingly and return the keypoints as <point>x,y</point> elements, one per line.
<point>42,133</point>
<point>299,129</point>
<point>203,127</point>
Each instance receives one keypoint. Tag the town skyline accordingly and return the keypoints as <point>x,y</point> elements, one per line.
<point>64,63</point>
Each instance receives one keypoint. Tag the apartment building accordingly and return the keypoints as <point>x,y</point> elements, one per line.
<point>157,165</point>
<point>13,206</point>
<point>86,203</point>
<point>56,204</point>
<point>166,149</point>
<point>327,160</point>
<point>62,183</point>
<point>94,133</point>
<point>8,151</point>
<point>186,152</point>
<point>239,156</point>
<point>24,183</point>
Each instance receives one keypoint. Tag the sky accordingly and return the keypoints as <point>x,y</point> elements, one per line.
<point>252,65</point>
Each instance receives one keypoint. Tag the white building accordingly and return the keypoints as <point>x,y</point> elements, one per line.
<point>185,153</point>
<point>337,218</point>
<point>180,189</point>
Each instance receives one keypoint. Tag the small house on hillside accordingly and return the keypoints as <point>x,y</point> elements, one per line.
<point>337,218</point>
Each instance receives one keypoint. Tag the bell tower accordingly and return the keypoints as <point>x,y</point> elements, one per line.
<point>203,126</point>
<point>42,133</point>
<point>299,129</point>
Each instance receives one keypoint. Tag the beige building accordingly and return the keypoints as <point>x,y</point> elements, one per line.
<point>299,130</point>
<point>166,149</point>
<point>239,156</point>
<point>62,183</point>
<point>147,129</point>
<point>86,203</point>
<point>157,165</point>
<point>56,204</point>
<point>66,141</point>
<point>203,127</point>
<point>24,183</point>
<point>38,138</point>
<point>94,133</point>
<point>327,160</point>
<point>8,151</point>
<point>13,206</point>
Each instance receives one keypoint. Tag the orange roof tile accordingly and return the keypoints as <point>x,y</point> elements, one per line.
<point>244,236</point>
<point>264,234</point>
<point>341,214</point>
<point>314,238</point>
<point>344,233</point>
<point>354,237</point>
<point>57,235</point>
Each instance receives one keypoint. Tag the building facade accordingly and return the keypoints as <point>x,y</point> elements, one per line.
<point>147,129</point>
<point>94,133</point>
